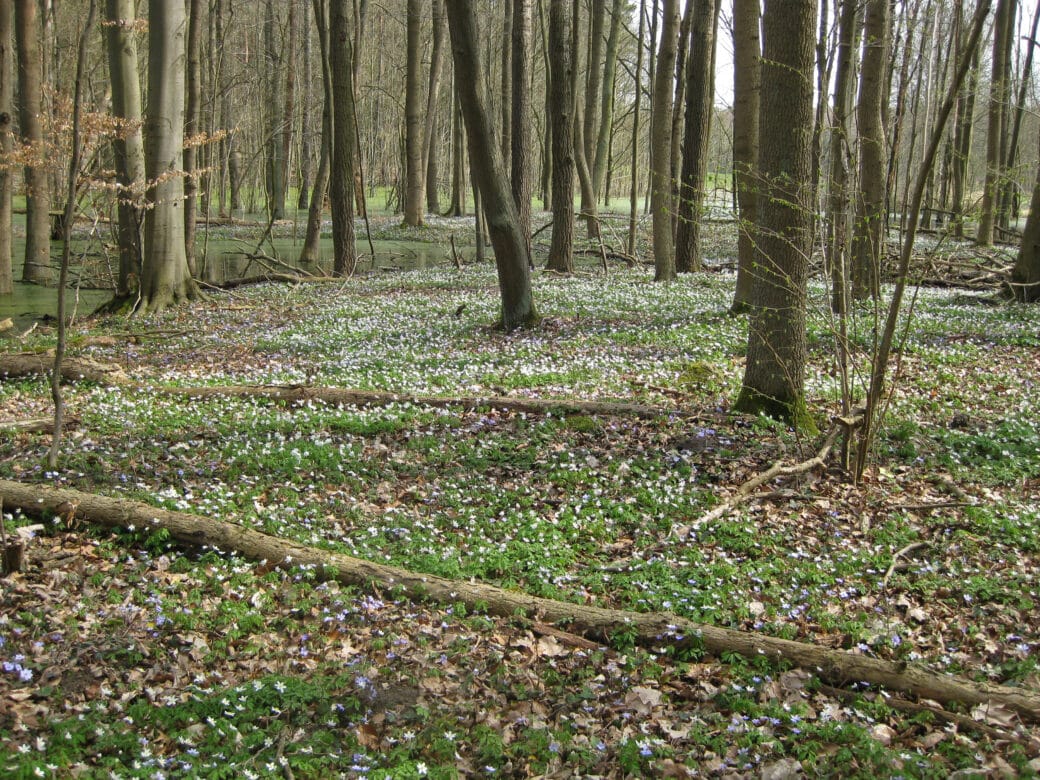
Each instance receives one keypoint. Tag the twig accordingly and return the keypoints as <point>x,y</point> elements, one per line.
<point>454,252</point>
<point>895,561</point>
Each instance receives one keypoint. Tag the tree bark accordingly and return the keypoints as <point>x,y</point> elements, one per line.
<point>1025,277</point>
<point>700,100</point>
<point>440,28</point>
<point>121,44</point>
<point>6,145</point>
<point>165,278</point>
<point>192,109</point>
<point>511,256</point>
<point>661,147</point>
<point>340,57</point>
<point>600,158</point>
<point>519,159</point>
<point>836,666</point>
<point>841,155</point>
<point>28,32</point>
<point>747,84</point>
<point>633,191</point>
<point>561,249</point>
<point>868,230</point>
<point>775,372</point>
<point>964,126</point>
<point>415,170</point>
<point>998,98</point>
<point>275,97</point>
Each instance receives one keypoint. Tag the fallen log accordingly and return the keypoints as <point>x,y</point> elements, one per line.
<point>336,395</point>
<point>837,667</point>
<point>73,369</point>
<point>24,364</point>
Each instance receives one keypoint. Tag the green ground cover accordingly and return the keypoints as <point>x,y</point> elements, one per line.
<point>124,655</point>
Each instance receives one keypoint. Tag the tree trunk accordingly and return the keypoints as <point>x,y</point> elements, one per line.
<point>747,83</point>
<point>868,231</point>
<point>774,375</point>
<point>633,191</point>
<point>600,158</point>
<point>6,145</point>
<point>511,256</point>
<point>506,88</point>
<point>1009,200</point>
<point>121,44</point>
<point>562,113</point>
<point>837,666</point>
<point>275,163</point>
<point>306,147</point>
<point>27,32</point>
<point>165,279</point>
<point>310,253</point>
<point>1025,277</point>
<point>841,155</point>
<point>192,108</point>
<point>700,99</point>
<point>415,169</point>
<point>341,95</point>
<point>964,125</point>
<point>519,159</point>
<point>998,98</point>
<point>661,146</point>
<point>440,27</point>
<point>458,157</point>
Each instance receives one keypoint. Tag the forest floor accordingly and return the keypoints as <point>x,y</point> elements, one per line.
<point>124,655</point>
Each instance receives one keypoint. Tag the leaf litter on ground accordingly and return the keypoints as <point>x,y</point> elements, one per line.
<point>123,654</point>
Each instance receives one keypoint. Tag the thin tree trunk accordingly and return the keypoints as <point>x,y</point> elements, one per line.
<point>661,146</point>
<point>440,28</point>
<point>414,162</point>
<point>506,75</point>
<point>561,111</point>
<point>1009,197</point>
<point>192,108</point>
<point>600,159</point>
<point>700,99</point>
<point>633,192</point>
<point>511,257</point>
<point>340,81</point>
<point>747,75</point>
<point>6,144</point>
<point>868,236</point>
<point>998,98</point>
<point>274,100</point>
<point>306,128</point>
<point>520,174</point>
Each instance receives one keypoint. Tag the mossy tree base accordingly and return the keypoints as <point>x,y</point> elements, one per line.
<point>794,411</point>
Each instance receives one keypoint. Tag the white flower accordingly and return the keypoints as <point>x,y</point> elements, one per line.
<point>422,769</point>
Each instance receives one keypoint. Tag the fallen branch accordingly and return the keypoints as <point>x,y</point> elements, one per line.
<point>837,667</point>
<point>72,369</point>
<point>38,425</point>
<point>745,492</point>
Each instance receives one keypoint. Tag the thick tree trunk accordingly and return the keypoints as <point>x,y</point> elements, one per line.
<point>836,666</point>
<point>998,99</point>
<point>121,45</point>
<point>165,278</point>
<point>506,82</point>
<point>775,372</point>
<point>747,84</point>
<point>415,170</point>
<point>1025,278</point>
<point>275,97</point>
<point>661,147</point>
<point>562,113</point>
<point>511,256</point>
<point>27,33</point>
<point>700,99</point>
<point>340,82</point>
<point>868,231</point>
<point>6,145</point>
